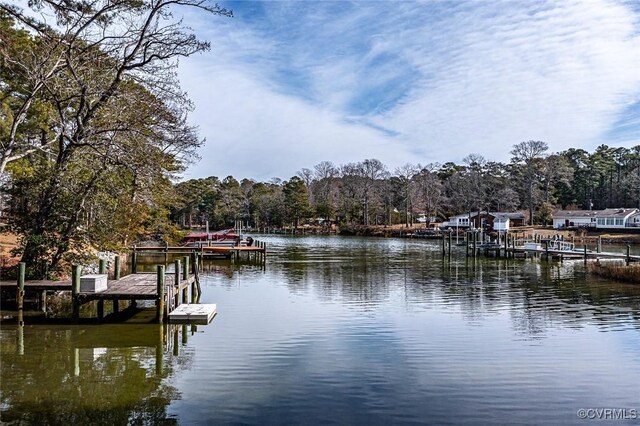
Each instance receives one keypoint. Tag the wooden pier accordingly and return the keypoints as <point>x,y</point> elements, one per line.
<point>168,290</point>
<point>258,250</point>
<point>509,247</point>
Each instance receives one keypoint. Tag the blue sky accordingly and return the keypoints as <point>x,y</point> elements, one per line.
<point>290,84</point>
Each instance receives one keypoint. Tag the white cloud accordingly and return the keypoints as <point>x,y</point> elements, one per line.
<point>288,89</point>
<point>253,131</point>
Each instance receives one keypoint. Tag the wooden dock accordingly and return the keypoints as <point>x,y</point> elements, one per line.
<point>168,290</point>
<point>508,247</point>
<point>258,250</point>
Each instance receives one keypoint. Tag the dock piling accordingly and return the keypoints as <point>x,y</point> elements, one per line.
<point>134,261</point>
<point>116,268</point>
<point>176,283</point>
<point>185,276</point>
<point>75,292</point>
<point>628,256</point>
<point>102,268</point>
<point>185,268</point>
<point>160,288</point>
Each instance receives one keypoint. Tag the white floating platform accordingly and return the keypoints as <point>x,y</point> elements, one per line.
<point>193,313</point>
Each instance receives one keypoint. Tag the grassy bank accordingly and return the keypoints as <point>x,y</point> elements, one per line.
<point>617,271</point>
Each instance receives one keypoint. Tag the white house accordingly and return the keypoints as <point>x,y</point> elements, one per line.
<point>614,218</point>
<point>599,219</point>
<point>574,218</point>
<point>459,221</point>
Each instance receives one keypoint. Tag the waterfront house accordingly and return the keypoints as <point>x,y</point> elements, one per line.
<point>618,218</point>
<point>574,219</point>
<point>497,221</point>
<point>458,221</point>
<point>614,218</point>
<point>490,221</point>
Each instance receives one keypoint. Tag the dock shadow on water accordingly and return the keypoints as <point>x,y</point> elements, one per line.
<point>338,330</point>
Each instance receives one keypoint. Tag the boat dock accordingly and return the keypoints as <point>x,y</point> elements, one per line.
<point>168,290</point>
<point>509,247</point>
<point>258,250</point>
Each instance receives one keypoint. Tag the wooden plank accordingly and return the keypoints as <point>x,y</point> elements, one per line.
<point>39,285</point>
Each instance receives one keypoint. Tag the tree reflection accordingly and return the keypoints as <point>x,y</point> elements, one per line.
<point>111,374</point>
<point>537,294</point>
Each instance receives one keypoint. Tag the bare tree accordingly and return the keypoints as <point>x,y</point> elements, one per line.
<point>405,174</point>
<point>324,188</point>
<point>371,171</point>
<point>83,53</point>
<point>429,190</point>
<point>529,155</point>
<point>109,81</point>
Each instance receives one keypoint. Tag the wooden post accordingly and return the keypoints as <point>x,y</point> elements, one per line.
<point>475,244</point>
<point>506,244</point>
<point>194,262</point>
<point>196,273</point>
<point>160,289</point>
<point>546,251</point>
<point>102,269</point>
<point>585,253</point>
<point>185,334</point>
<point>134,261</point>
<point>116,272</point>
<point>443,244</point>
<point>185,268</point>
<point>20,292</point>
<point>75,292</point>
<point>599,249</point>
<point>628,254</point>
<point>43,301</point>
<point>466,243</point>
<point>116,306</point>
<point>176,283</point>
<point>450,241</point>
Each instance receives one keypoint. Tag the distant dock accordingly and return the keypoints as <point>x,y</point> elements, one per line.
<point>257,251</point>
<point>509,246</point>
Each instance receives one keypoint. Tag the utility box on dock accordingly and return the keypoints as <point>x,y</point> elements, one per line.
<point>93,283</point>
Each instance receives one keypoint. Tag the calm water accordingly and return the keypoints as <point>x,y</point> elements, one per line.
<point>347,331</point>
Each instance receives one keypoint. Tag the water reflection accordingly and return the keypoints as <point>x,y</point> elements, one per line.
<point>538,294</point>
<point>347,330</point>
<point>111,374</point>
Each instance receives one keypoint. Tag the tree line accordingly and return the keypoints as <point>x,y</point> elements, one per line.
<point>367,192</point>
